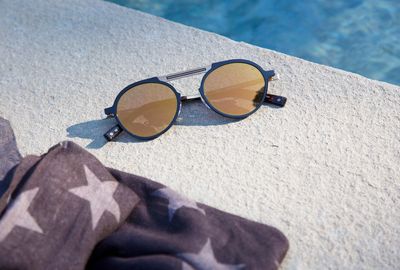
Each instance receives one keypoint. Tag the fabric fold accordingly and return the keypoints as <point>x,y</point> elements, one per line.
<point>58,207</point>
<point>9,154</point>
<point>169,231</point>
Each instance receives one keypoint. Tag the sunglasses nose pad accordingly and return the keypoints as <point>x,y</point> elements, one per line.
<point>180,108</point>
<point>202,100</point>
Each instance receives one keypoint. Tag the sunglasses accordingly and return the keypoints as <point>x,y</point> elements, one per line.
<point>233,88</point>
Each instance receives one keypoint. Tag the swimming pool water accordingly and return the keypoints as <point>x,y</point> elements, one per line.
<point>361,36</point>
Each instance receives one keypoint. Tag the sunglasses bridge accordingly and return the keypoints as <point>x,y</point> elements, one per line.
<point>184,74</point>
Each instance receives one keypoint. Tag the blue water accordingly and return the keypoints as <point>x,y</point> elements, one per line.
<point>362,36</point>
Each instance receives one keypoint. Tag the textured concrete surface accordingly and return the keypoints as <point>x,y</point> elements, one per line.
<point>325,169</point>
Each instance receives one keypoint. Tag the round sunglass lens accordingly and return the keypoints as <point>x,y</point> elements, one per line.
<point>148,109</point>
<point>235,89</point>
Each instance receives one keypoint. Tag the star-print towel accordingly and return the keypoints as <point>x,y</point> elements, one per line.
<point>65,210</point>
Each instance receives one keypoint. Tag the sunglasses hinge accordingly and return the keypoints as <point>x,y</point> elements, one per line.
<point>109,111</point>
<point>113,132</point>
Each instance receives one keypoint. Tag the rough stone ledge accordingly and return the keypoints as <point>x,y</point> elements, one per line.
<point>324,169</point>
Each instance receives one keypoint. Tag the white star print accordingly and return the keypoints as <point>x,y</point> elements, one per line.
<point>175,201</point>
<point>100,196</point>
<point>17,214</point>
<point>205,260</point>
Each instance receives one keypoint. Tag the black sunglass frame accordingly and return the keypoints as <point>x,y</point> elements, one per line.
<point>268,75</point>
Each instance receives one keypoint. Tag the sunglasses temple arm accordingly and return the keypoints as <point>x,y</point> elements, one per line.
<point>279,101</point>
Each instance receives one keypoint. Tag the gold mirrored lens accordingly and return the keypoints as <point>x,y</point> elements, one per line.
<point>147,109</point>
<point>235,89</point>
